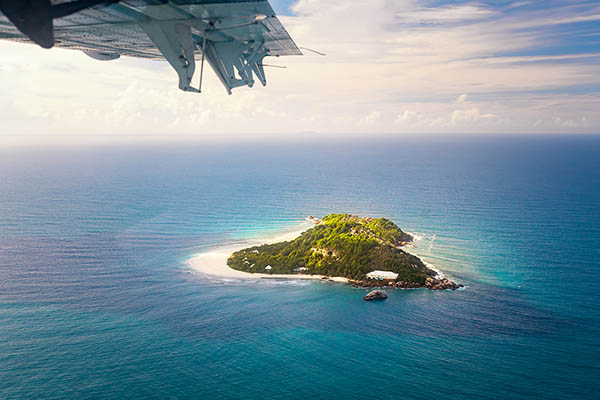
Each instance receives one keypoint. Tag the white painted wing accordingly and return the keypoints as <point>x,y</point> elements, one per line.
<point>236,35</point>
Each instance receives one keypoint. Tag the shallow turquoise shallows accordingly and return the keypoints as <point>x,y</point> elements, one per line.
<point>97,302</point>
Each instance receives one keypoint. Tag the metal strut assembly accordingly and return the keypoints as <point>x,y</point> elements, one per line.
<point>202,62</point>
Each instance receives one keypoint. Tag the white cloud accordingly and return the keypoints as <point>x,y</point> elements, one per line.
<point>462,98</point>
<point>371,118</point>
<point>469,115</point>
<point>446,14</point>
<point>407,117</point>
<point>570,123</point>
<point>517,4</point>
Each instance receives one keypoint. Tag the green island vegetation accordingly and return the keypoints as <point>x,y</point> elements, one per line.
<point>339,245</point>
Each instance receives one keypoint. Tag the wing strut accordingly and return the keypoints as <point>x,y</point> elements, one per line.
<point>175,42</point>
<point>202,63</point>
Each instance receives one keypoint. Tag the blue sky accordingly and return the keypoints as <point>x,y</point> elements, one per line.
<point>392,67</point>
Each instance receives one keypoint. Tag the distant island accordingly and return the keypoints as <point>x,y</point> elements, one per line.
<point>366,251</point>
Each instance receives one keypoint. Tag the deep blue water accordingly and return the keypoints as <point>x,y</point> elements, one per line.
<point>96,300</point>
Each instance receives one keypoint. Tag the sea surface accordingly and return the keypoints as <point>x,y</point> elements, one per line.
<point>97,301</point>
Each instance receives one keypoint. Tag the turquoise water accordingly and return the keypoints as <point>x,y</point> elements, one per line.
<point>96,300</point>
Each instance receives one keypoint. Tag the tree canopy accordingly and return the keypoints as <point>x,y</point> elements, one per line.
<point>340,245</point>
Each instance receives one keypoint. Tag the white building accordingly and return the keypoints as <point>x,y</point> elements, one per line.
<point>381,275</point>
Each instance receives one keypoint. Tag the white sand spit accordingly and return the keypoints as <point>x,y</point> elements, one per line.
<point>214,262</point>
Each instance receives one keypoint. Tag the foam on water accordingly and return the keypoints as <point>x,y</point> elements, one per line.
<point>422,247</point>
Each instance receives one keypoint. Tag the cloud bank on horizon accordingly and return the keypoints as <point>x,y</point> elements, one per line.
<point>392,66</point>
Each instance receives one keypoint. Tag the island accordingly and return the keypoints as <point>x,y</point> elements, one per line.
<point>366,251</point>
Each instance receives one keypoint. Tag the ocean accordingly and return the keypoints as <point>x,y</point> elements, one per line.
<point>97,300</point>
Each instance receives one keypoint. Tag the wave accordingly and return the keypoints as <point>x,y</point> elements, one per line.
<point>423,243</point>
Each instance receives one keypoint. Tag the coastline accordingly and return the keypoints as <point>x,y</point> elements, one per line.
<point>416,237</point>
<point>214,262</point>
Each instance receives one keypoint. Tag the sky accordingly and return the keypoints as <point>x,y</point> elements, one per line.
<point>392,67</point>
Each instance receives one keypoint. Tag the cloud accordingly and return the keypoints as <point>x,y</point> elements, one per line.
<point>370,118</point>
<point>446,14</point>
<point>414,121</point>
<point>469,115</point>
<point>517,4</point>
<point>407,117</point>
<point>462,98</point>
<point>570,123</point>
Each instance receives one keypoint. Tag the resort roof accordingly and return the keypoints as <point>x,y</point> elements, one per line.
<point>382,275</point>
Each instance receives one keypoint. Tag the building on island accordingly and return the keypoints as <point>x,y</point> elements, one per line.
<point>382,275</point>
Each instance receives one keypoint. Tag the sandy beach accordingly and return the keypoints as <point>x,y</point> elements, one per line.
<point>214,262</point>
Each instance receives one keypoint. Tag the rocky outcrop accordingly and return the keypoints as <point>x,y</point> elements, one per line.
<point>375,295</point>
<point>430,283</point>
<point>371,283</point>
<point>441,284</point>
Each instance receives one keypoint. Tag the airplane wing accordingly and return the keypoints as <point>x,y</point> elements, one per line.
<point>232,36</point>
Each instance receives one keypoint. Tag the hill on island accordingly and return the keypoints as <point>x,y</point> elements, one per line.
<point>339,245</point>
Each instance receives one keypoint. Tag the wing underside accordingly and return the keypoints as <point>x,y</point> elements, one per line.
<point>233,36</point>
